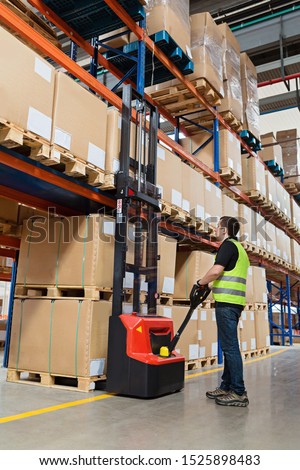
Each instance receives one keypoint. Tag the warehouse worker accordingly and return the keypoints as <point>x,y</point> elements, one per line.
<point>228,277</point>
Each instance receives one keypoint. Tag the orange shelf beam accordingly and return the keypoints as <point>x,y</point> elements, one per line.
<point>6,277</point>
<point>8,253</point>
<point>44,175</point>
<point>9,242</point>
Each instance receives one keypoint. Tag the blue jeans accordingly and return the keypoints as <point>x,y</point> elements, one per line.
<point>227,323</point>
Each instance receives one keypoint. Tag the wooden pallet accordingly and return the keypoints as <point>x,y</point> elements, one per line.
<point>165,299</point>
<point>172,212</point>
<point>8,228</point>
<point>207,304</point>
<point>2,345</point>
<point>256,196</point>
<point>69,382</point>
<point>251,248</point>
<point>109,182</point>
<point>291,188</point>
<point>255,353</point>
<point>199,363</point>
<point>270,208</point>
<point>231,176</point>
<point>178,100</point>
<point>73,292</point>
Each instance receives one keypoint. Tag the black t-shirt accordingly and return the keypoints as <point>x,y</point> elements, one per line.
<point>227,256</point>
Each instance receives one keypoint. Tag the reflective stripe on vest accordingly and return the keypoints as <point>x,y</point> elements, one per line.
<point>231,286</point>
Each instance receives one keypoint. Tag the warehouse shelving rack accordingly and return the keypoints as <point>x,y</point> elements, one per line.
<point>47,187</point>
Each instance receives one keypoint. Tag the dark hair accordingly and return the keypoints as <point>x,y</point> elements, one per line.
<point>232,225</point>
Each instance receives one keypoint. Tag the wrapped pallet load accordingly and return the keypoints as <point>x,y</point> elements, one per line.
<point>271,150</point>
<point>290,144</point>
<point>232,101</point>
<point>250,96</point>
<point>171,16</point>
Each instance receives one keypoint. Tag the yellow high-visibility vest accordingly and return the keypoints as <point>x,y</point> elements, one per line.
<point>231,286</point>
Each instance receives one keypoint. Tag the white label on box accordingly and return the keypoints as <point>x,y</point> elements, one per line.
<point>253,343</point>
<point>193,351</point>
<point>235,207</point>
<point>188,52</point>
<point>230,136</point>
<point>108,227</point>
<point>176,198</point>
<point>128,281</point>
<point>195,315</point>
<point>56,154</point>
<point>167,312</point>
<point>39,123</point>
<point>214,349</point>
<point>97,367</point>
<point>251,315</point>
<point>2,335</point>
<point>213,315</point>
<point>203,315</point>
<point>144,309</point>
<point>96,156</point>
<point>199,335</point>
<point>201,352</point>
<point>258,242</point>
<point>268,340</point>
<point>43,69</point>
<point>239,169</point>
<point>62,138</point>
<point>257,185</point>
<point>250,271</point>
<point>285,211</point>
<point>270,197</point>
<point>186,205</point>
<point>168,285</point>
<point>161,191</point>
<point>265,298</point>
<point>244,345</point>
<point>161,153</point>
<point>230,162</point>
<point>218,192</point>
<point>207,215</point>
<point>119,122</point>
<point>9,262</point>
<point>144,285</point>
<point>266,316</point>
<point>200,211</point>
<point>115,165</point>
<point>244,315</point>
<point>127,308</point>
<point>208,185</point>
<point>241,324</point>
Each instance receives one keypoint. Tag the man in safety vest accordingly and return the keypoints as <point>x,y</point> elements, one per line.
<point>228,277</point>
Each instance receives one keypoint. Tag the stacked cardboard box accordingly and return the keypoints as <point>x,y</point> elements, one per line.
<point>250,96</point>
<point>258,226</point>
<point>295,254</point>
<point>169,176</point>
<point>247,331</point>
<point>245,219</point>
<point>283,246</point>
<point>231,74</point>
<point>207,333</point>
<point>193,184</point>
<point>270,245</point>
<point>295,213</point>
<point>290,144</point>
<point>213,203</point>
<point>262,329</point>
<point>26,103</point>
<point>271,188</point>
<point>167,247</point>
<point>65,337</point>
<point>283,199</point>
<point>229,207</point>
<point>229,149</point>
<point>270,149</point>
<point>253,176</point>
<point>259,289</point>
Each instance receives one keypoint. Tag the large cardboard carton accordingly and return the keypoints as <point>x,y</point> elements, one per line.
<point>74,252</point>
<point>171,16</point>
<point>116,42</point>
<point>290,144</point>
<point>249,286</point>
<point>188,342</point>
<point>229,206</point>
<point>169,176</point>
<point>213,203</point>
<point>190,266</point>
<point>245,219</point>
<point>250,95</point>
<point>167,247</point>
<point>66,337</point>
<point>247,330</point>
<point>207,333</point>
<point>260,294</point>
<point>283,246</point>
<point>283,199</point>
<point>192,191</point>
<point>262,329</point>
<point>79,121</point>
<point>229,149</point>
<point>253,172</point>
<point>207,51</point>
<point>27,103</point>
<point>270,245</point>
<point>270,149</point>
<point>271,187</point>
<point>9,210</point>
<point>295,213</point>
<point>259,234</point>
<point>295,253</point>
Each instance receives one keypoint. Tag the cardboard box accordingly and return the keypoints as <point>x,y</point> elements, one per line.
<point>262,329</point>
<point>213,203</point>
<point>295,253</point>
<point>253,175</point>
<point>75,251</point>
<point>249,286</point>
<point>247,331</point>
<point>169,176</point>
<point>172,17</point>
<point>9,210</point>
<point>260,294</point>
<point>270,149</point>
<point>190,266</point>
<point>229,207</point>
<point>192,191</point>
<point>259,234</point>
<point>270,245</point>
<point>250,96</point>
<point>167,247</point>
<point>116,42</point>
<point>73,128</point>
<point>283,199</point>
<point>295,213</point>
<point>207,51</point>
<point>207,333</point>
<point>245,219</point>
<point>70,336</point>
<point>27,103</point>
<point>271,187</point>
<point>283,246</point>
<point>188,342</point>
<point>231,53</point>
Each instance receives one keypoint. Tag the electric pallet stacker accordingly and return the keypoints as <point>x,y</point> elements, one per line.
<point>142,361</point>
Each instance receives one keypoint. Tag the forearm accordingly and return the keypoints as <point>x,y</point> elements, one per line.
<point>210,276</point>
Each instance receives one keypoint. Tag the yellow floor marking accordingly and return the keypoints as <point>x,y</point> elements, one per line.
<point>49,409</point>
<point>190,376</point>
<point>84,401</point>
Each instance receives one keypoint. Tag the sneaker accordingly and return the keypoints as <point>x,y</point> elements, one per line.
<point>218,392</point>
<point>233,399</point>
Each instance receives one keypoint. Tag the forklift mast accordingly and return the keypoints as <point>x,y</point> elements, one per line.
<point>137,202</point>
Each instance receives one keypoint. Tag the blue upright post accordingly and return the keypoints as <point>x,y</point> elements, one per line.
<point>298,307</point>
<point>270,312</point>
<point>141,63</point>
<point>73,55</point>
<point>10,312</point>
<point>288,298</point>
<point>282,324</point>
<point>177,130</point>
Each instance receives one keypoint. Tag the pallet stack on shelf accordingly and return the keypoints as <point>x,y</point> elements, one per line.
<point>191,214</point>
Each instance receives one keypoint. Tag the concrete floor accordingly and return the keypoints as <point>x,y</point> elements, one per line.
<point>185,420</point>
